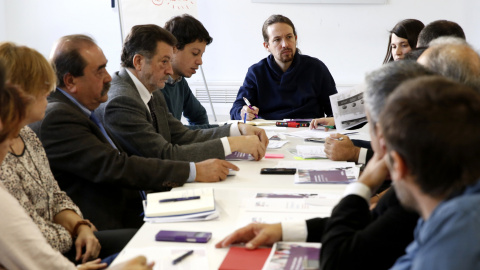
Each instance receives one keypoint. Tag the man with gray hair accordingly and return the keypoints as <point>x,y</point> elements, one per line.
<point>354,236</point>
<point>453,58</point>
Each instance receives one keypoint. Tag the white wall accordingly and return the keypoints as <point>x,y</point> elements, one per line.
<point>350,39</point>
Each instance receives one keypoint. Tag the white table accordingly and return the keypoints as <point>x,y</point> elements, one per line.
<point>228,196</point>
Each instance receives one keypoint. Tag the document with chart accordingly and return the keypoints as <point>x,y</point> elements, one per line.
<point>348,108</point>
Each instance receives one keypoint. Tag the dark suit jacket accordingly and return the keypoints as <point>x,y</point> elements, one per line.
<point>354,237</point>
<point>102,181</point>
<point>130,122</point>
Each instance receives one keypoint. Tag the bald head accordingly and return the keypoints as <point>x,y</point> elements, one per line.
<point>66,57</point>
<point>455,60</point>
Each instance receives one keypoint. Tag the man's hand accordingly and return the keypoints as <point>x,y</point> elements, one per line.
<point>375,172</point>
<point>213,170</point>
<point>86,239</point>
<point>250,113</point>
<point>250,130</point>
<point>249,144</point>
<point>340,148</point>
<point>137,263</point>
<point>328,121</point>
<point>255,234</point>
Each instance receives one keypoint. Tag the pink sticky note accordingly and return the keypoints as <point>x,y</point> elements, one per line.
<point>269,155</point>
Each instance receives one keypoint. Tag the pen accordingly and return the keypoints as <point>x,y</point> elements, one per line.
<point>179,259</point>
<point>245,118</point>
<point>180,199</point>
<point>248,104</point>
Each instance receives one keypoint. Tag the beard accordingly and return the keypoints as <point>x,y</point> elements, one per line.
<point>285,58</point>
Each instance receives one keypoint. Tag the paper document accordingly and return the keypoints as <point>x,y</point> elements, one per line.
<point>293,256</point>
<point>311,151</point>
<point>163,257</point>
<point>276,144</point>
<point>348,108</point>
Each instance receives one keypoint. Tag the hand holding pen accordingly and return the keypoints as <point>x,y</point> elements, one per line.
<point>250,111</point>
<point>327,123</point>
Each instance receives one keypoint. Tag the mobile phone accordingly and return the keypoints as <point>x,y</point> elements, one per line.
<point>319,140</point>
<point>183,236</point>
<point>278,171</point>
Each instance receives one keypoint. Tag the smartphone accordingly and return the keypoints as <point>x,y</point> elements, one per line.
<point>183,236</point>
<point>319,140</point>
<point>278,171</point>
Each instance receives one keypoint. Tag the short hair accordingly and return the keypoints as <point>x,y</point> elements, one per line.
<point>276,18</point>
<point>437,29</point>
<point>13,103</point>
<point>415,53</point>
<point>143,40</point>
<point>187,29</point>
<point>27,68</point>
<point>454,59</point>
<point>415,124</point>
<point>407,29</point>
<point>66,57</point>
<point>383,81</point>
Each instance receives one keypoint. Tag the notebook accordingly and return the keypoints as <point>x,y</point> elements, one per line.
<point>155,208</point>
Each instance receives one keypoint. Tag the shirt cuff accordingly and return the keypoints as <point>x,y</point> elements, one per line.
<point>234,131</point>
<point>193,173</point>
<point>359,189</point>
<point>226,146</point>
<point>362,156</point>
<point>294,231</point>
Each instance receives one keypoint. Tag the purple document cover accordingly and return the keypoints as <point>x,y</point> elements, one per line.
<point>303,258</point>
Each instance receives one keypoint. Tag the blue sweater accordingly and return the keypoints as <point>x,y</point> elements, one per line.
<point>180,99</point>
<point>301,92</point>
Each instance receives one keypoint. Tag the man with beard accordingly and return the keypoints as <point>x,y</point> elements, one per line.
<point>286,84</point>
<point>86,160</point>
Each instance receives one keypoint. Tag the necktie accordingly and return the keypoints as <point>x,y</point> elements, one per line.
<point>152,112</point>
<point>102,129</point>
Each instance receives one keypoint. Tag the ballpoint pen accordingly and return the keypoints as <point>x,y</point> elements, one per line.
<point>249,105</point>
<point>181,258</point>
<point>180,199</point>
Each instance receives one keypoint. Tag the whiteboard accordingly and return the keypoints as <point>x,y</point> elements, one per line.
<point>134,12</point>
<point>322,1</point>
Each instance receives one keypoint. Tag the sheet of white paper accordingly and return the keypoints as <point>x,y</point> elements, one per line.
<point>348,108</point>
<point>311,133</point>
<point>311,151</point>
<point>163,257</point>
<point>276,144</point>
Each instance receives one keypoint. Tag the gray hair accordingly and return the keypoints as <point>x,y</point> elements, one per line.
<point>380,83</point>
<point>454,59</point>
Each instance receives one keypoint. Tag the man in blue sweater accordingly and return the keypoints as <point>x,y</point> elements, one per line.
<point>192,39</point>
<point>286,84</point>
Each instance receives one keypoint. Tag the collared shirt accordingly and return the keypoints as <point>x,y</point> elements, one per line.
<point>449,238</point>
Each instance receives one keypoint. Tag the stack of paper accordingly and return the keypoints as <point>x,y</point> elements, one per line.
<point>311,151</point>
<point>184,205</point>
